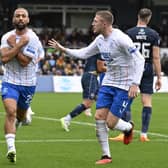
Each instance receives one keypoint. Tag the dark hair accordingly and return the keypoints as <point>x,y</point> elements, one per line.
<point>106,15</point>
<point>144,13</point>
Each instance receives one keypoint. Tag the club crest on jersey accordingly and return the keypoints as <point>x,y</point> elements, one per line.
<point>106,56</point>
<point>30,49</point>
<point>141,31</point>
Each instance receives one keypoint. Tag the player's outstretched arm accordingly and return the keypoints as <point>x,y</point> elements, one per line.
<point>82,53</point>
<point>54,44</point>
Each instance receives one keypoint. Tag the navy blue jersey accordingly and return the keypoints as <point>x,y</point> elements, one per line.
<point>144,38</point>
<point>91,63</point>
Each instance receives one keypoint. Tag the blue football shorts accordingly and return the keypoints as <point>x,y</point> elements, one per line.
<point>115,99</point>
<point>128,108</point>
<point>22,94</point>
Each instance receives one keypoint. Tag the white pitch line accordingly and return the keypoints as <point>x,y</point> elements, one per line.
<point>73,140</point>
<point>93,125</point>
<point>58,120</point>
<point>52,140</point>
<point>155,134</point>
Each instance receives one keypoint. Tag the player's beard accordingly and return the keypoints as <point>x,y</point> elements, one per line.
<point>20,27</point>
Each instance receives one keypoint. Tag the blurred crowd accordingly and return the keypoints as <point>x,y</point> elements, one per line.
<point>56,62</point>
<point>164,32</point>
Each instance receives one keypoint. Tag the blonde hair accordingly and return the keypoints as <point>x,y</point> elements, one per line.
<point>106,15</point>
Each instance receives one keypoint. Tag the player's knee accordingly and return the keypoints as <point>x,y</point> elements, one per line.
<point>111,121</point>
<point>11,113</point>
<point>110,124</point>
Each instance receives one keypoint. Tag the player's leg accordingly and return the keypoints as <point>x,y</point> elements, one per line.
<point>21,117</point>
<point>146,116</point>
<point>77,110</point>
<point>90,88</point>
<point>9,98</point>
<point>114,122</point>
<point>25,98</point>
<point>106,119</point>
<point>126,116</point>
<point>10,130</point>
<point>102,109</point>
<point>65,121</point>
<point>146,89</point>
<point>88,112</point>
<point>102,135</point>
<point>28,119</point>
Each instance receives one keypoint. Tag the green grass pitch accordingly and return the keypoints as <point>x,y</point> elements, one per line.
<point>44,144</point>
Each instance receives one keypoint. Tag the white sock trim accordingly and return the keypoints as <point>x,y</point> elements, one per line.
<point>123,125</point>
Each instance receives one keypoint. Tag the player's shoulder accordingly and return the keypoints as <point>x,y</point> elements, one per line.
<point>142,30</point>
<point>120,36</point>
<point>152,31</point>
<point>99,37</point>
<point>32,34</point>
<point>136,30</point>
<point>7,34</point>
<point>117,33</point>
<point>132,29</point>
<point>34,39</point>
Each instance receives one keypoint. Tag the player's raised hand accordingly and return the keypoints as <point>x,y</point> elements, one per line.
<point>54,44</point>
